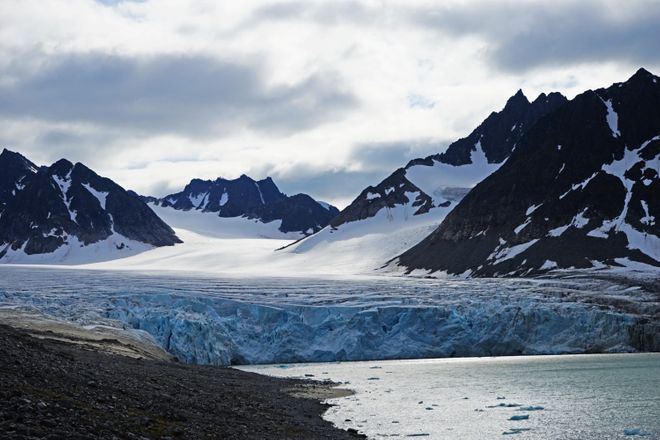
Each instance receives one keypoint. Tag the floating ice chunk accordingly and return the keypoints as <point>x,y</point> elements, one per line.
<point>504,405</point>
<point>515,431</point>
<point>519,417</point>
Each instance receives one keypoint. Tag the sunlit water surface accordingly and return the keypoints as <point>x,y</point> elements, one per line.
<point>610,396</point>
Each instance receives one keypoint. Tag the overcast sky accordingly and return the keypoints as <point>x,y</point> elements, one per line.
<point>324,96</point>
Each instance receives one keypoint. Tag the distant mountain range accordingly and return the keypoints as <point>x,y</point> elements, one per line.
<point>537,186</point>
<point>67,213</point>
<point>244,197</point>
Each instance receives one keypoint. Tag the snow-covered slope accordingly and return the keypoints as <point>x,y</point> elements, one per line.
<point>361,247</point>
<point>401,210</point>
<point>212,244</point>
<point>582,190</point>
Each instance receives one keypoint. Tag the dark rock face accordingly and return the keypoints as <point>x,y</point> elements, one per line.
<point>500,132</point>
<point>580,190</point>
<point>65,200</point>
<point>497,136</point>
<point>15,168</point>
<point>245,197</point>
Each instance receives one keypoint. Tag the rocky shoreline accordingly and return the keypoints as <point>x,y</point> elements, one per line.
<point>56,389</point>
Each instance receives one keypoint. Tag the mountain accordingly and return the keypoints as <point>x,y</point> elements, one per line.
<point>68,213</point>
<point>244,197</point>
<point>441,179</point>
<point>581,190</point>
<point>388,218</point>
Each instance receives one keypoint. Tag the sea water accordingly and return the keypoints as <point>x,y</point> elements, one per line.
<point>610,396</point>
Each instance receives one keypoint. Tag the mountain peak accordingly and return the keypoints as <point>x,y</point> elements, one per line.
<point>642,75</point>
<point>9,157</point>
<point>8,153</point>
<point>61,168</point>
<point>517,100</point>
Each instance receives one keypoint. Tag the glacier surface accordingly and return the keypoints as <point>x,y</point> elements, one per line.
<point>270,320</point>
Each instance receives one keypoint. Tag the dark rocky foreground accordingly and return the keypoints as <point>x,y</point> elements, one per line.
<point>56,390</point>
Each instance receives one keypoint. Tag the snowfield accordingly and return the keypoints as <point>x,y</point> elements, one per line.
<point>244,247</point>
<point>271,320</point>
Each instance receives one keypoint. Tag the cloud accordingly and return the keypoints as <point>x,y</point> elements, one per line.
<point>327,97</point>
<point>193,95</point>
<point>323,13</point>
<point>520,36</point>
<point>338,186</point>
<point>383,156</point>
<point>368,164</point>
<point>116,2</point>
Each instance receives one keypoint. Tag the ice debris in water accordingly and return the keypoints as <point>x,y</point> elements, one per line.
<point>520,417</point>
<point>636,431</point>
<point>515,431</point>
<point>504,405</point>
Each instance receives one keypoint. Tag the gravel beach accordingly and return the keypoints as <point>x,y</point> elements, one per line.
<point>55,389</point>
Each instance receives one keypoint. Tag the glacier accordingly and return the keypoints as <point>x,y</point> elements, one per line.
<point>231,321</point>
